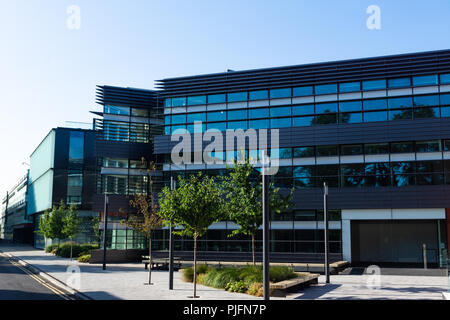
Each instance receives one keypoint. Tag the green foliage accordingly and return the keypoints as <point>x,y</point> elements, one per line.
<point>71,222</point>
<point>86,258</point>
<point>50,248</point>
<point>96,227</point>
<point>52,225</point>
<point>44,225</point>
<point>256,289</point>
<point>195,205</point>
<point>223,276</point>
<point>243,191</point>
<point>64,249</point>
<point>188,273</point>
<point>237,286</point>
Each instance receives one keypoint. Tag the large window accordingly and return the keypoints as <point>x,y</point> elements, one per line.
<point>122,111</point>
<point>375,104</point>
<point>217,98</point>
<point>76,147</point>
<point>304,109</point>
<point>280,93</point>
<point>350,106</point>
<point>237,96</point>
<point>425,80</point>
<point>302,91</point>
<point>374,84</point>
<point>217,116</point>
<point>326,88</point>
<point>349,86</point>
<point>258,95</point>
<point>280,112</point>
<point>196,100</point>
<point>399,83</point>
<point>237,114</point>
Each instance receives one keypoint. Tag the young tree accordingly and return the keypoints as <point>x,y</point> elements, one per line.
<point>71,226</point>
<point>51,224</point>
<point>95,221</point>
<point>146,220</point>
<point>57,217</point>
<point>44,226</point>
<point>243,190</point>
<point>196,204</point>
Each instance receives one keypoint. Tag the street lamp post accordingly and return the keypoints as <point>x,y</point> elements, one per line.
<point>266,235</point>
<point>105,228</point>
<point>325,225</point>
<point>171,244</point>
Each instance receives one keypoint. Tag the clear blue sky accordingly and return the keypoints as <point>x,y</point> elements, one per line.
<point>48,73</point>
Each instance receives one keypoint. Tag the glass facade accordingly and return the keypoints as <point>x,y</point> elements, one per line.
<point>309,114</point>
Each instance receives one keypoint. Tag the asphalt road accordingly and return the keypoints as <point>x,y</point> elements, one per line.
<point>19,283</point>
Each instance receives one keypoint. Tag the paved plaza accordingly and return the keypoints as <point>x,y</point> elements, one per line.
<point>126,281</point>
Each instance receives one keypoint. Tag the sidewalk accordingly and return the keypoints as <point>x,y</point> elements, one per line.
<point>119,281</point>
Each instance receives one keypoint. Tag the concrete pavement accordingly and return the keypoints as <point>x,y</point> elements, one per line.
<point>364,286</point>
<point>119,281</point>
<point>126,281</point>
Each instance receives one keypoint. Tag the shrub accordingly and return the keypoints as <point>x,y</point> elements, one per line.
<point>188,273</point>
<point>51,248</point>
<point>219,277</point>
<point>278,274</point>
<point>77,249</point>
<point>251,274</point>
<point>86,258</point>
<point>201,278</point>
<point>256,289</point>
<point>237,286</point>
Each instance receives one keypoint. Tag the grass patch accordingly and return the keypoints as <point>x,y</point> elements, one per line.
<point>246,279</point>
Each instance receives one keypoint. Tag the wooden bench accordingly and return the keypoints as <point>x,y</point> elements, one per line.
<point>293,285</point>
<point>161,262</point>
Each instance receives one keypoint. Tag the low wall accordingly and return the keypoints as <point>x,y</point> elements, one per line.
<point>118,256</point>
<point>135,255</point>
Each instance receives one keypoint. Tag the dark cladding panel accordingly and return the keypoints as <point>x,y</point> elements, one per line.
<point>309,74</point>
<point>375,198</point>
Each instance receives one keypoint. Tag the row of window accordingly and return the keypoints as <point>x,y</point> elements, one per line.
<point>129,131</point>
<point>330,150</point>
<point>284,241</point>
<point>310,90</point>
<point>126,184</point>
<point>306,121</point>
<point>380,174</point>
<point>129,111</point>
<point>311,109</point>
<point>336,150</point>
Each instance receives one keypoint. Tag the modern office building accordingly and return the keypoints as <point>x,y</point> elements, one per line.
<point>130,119</point>
<point>377,130</point>
<point>16,226</point>
<point>63,167</point>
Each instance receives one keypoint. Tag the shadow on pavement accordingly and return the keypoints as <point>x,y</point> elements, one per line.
<point>315,292</point>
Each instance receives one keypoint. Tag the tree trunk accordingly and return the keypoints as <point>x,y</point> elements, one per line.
<point>71,244</point>
<point>150,259</point>
<point>253,249</point>
<point>195,265</point>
